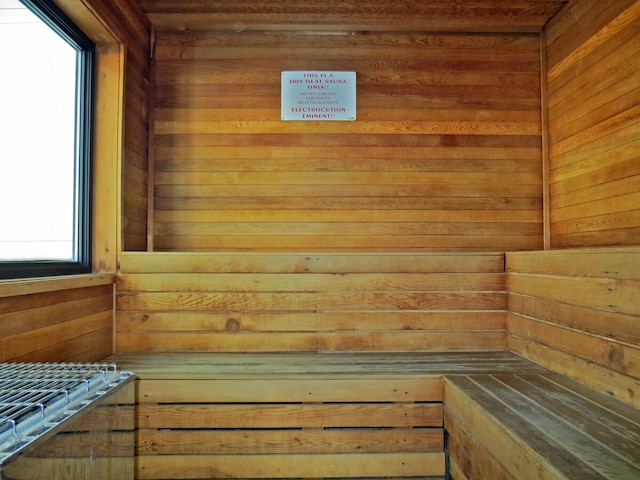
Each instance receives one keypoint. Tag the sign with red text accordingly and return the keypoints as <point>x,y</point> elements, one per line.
<point>318,95</point>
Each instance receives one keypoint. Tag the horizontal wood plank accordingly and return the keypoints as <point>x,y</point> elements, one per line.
<point>212,442</point>
<point>595,262</point>
<point>292,466</point>
<point>189,342</point>
<point>270,282</point>
<point>414,388</point>
<point>279,416</point>
<point>316,321</point>
<point>349,301</point>
<point>312,262</point>
<point>182,366</point>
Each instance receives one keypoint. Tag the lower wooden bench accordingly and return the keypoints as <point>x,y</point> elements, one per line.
<point>326,415</point>
<point>538,426</point>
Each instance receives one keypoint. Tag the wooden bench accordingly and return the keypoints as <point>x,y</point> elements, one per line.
<point>538,426</point>
<point>297,415</point>
<point>461,416</point>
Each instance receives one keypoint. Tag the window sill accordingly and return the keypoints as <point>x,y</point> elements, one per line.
<point>27,286</point>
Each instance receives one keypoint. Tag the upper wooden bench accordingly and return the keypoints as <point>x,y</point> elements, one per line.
<point>374,415</point>
<point>538,426</point>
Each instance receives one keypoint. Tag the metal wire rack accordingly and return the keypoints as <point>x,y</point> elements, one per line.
<point>36,398</point>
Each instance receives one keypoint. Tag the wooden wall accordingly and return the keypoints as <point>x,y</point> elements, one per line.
<point>50,320</point>
<point>132,29</point>
<point>135,169</point>
<point>72,319</point>
<point>593,58</point>
<point>444,154</point>
<point>578,313</point>
<point>254,302</point>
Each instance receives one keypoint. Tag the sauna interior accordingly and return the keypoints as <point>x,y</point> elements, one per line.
<point>447,287</point>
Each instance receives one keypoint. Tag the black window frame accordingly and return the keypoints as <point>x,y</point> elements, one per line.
<point>53,16</point>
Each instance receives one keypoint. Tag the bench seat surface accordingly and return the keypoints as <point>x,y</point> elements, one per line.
<point>374,415</point>
<point>276,365</point>
<point>297,415</point>
<point>541,426</point>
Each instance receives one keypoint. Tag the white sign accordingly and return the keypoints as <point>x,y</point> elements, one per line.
<point>318,95</point>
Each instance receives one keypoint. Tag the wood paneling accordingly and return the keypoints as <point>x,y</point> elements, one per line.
<point>577,312</point>
<point>307,427</point>
<point>468,459</point>
<point>57,320</point>
<point>136,130</point>
<point>289,302</point>
<point>132,29</point>
<point>341,16</point>
<point>445,153</point>
<point>302,415</point>
<point>121,32</point>
<point>594,110</point>
<point>531,427</point>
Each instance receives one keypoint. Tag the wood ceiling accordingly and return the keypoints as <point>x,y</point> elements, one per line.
<point>352,15</point>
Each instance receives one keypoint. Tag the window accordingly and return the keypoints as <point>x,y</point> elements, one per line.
<point>45,149</point>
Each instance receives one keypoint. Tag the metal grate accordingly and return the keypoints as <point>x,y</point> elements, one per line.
<point>36,398</point>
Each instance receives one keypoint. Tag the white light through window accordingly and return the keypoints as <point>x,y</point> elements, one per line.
<point>37,131</point>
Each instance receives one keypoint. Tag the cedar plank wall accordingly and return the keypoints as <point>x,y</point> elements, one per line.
<point>444,156</point>
<point>72,319</point>
<point>578,311</point>
<point>130,24</point>
<point>321,302</point>
<point>593,60</point>
<point>138,90</point>
<point>52,321</point>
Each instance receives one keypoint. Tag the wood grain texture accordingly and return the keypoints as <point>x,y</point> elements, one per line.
<point>593,95</point>
<point>577,313</point>
<point>131,28</point>
<point>211,442</point>
<point>268,367</point>
<point>57,320</point>
<point>320,302</point>
<point>339,16</point>
<point>370,415</point>
<point>354,465</point>
<point>468,459</point>
<point>444,156</point>
<point>544,426</point>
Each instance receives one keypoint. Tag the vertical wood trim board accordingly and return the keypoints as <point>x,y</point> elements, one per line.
<point>131,27</point>
<point>151,150</point>
<point>544,115</point>
<point>136,146</point>
<point>593,56</point>
<point>444,154</point>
